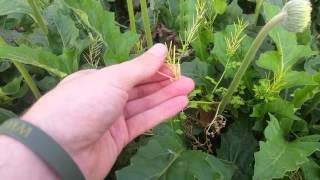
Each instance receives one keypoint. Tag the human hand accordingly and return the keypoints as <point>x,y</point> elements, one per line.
<point>93,114</point>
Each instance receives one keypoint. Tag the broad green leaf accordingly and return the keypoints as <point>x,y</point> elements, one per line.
<point>196,70</point>
<point>59,16</point>
<point>286,42</point>
<point>295,78</point>
<point>231,15</point>
<point>238,146</point>
<point>11,91</point>
<point>220,6</point>
<point>304,94</point>
<point>201,43</point>
<point>220,49</point>
<point>271,60</point>
<point>312,66</point>
<point>14,6</point>
<point>118,44</point>
<point>166,158</point>
<point>36,57</point>
<point>311,170</point>
<point>277,156</point>
<point>286,115</point>
<point>12,87</point>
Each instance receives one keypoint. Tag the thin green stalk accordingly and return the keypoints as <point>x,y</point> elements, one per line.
<point>131,16</point>
<point>27,78</point>
<point>37,15</point>
<point>146,22</point>
<point>258,9</point>
<point>249,57</point>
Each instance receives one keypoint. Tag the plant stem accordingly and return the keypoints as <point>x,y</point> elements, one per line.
<point>249,57</point>
<point>37,15</point>
<point>131,16</point>
<point>146,22</point>
<point>27,78</point>
<point>258,9</point>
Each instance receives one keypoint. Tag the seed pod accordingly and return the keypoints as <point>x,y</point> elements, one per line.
<point>297,15</point>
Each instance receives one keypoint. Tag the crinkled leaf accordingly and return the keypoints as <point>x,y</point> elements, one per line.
<point>118,44</point>
<point>238,146</point>
<point>165,157</point>
<point>277,156</point>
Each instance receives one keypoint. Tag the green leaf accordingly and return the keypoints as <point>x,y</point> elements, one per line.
<point>286,42</point>
<point>286,115</point>
<point>12,87</point>
<point>165,157</point>
<point>220,6</point>
<point>311,170</point>
<point>304,94</point>
<point>14,6</point>
<point>278,156</point>
<point>238,146</point>
<point>196,70</point>
<point>59,16</point>
<point>103,22</point>
<point>37,57</point>
<point>295,78</point>
<point>270,60</point>
<point>201,43</point>
<point>220,49</point>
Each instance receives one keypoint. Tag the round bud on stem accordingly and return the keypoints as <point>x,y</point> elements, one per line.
<point>297,15</point>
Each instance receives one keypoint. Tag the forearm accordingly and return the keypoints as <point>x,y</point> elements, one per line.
<point>18,162</point>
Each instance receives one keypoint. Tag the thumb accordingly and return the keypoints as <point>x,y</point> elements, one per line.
<point>131,73</point>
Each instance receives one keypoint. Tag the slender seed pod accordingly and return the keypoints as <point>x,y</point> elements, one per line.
<point>298,15</point>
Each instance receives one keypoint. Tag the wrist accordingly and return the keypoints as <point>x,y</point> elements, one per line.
<point>18,162</point>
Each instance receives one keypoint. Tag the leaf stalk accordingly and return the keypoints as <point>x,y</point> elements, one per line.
<point>25,74</point>
<point>37,15</point>
<point>131,16</point>
<point>146,22</point>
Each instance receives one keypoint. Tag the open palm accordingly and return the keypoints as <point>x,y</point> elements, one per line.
<point>93,114</point>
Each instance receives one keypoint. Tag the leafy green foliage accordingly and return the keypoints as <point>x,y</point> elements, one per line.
<point>174,160</point>
<point>278,156</point>
<point>238,146</point>
<point>37,57</point>
<point>282,84</point>
<point>118,44</point>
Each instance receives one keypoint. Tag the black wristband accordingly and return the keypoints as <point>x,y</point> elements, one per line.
<point>44,146</point>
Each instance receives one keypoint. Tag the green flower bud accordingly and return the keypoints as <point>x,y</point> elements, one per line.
<point>297,15</point>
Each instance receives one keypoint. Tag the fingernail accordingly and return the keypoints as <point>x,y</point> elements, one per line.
<point>158,50</point>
